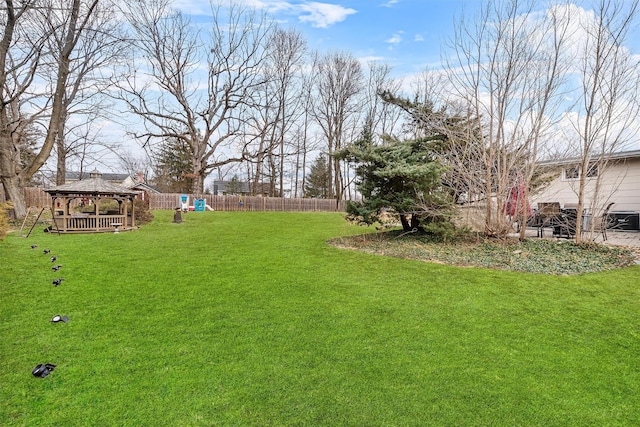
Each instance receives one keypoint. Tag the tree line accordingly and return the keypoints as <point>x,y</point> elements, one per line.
<point>237,94</point>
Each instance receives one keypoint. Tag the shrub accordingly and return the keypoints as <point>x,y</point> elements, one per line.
<point>142,213</point>
<point>4,218</point>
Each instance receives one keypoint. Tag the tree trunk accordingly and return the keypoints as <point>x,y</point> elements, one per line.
<point>61,164</point>
<point>197,185</point>
<point>14,191</point>
<point>9,173</point>
<point>488,220</point>
<point>581,195</point>
<point>337,179</point>
<point>523,216</point>
<point>415,222</point>
<point>405,223</point>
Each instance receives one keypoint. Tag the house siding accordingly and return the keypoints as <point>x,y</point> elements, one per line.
<point>620,184</point>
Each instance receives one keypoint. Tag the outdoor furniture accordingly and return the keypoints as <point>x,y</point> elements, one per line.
<point>548,215</point>
<point>619,220</point>
<point>565,223</point>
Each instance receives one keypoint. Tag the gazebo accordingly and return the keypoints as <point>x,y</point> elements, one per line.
<point>92,206</point>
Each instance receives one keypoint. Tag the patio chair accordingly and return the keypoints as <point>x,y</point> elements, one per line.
<point>565,223</point>
<point>548,216</point>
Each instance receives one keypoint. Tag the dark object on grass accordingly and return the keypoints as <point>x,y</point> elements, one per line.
<point>56,267</point>
<point>34,246</point>
<point>57,318</point>
<point>54,258</point>
<point>177,216</point>
<point>46,251</point>
<point>43,369</point>
<point>58,282</point>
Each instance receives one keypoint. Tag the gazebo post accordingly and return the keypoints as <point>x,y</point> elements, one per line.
<point>97,211</point>
<point>124,212</point>
<point>65,214</point>
<point>133,211</point>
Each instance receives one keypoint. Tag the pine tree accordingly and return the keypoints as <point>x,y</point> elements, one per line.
<point>234,186</point>
<point>317,184</point>
<point>172,166</point>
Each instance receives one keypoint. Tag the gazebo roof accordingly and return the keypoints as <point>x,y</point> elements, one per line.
<point>94,186</point>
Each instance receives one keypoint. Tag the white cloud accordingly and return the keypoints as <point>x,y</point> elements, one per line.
<point>396,38</point>
<point>272,6</point>
<point>390,3</point>
<point>371,58</point>
<point>418,38</point>
<point>322,15</point>
<point>192,7</point>
<point>318,14</point>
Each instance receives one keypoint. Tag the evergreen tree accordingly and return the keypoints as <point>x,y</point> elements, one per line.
<point>452,139</point>
<point>401,176</point>
<point>172,166</point>
<point>318,183</point>
<point>234,186</point>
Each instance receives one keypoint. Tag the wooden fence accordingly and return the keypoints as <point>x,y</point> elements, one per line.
<point>250,203</point>
<point>36,197</point>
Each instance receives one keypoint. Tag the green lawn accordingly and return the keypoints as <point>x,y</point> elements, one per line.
<point>252,319</point>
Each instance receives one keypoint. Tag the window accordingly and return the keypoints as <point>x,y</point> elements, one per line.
<point>573,172</point>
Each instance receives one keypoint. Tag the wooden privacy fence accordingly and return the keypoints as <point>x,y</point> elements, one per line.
<point>36,197</point>
<point>249,203</point>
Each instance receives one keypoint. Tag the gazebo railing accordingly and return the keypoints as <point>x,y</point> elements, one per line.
<point>80,222</point>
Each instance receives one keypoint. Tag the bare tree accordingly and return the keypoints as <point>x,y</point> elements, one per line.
<point>507,68</point>
<point>99,47</point>
<point>305,140</point>
<point>27,27</point>
<point>280,106</point>
<point>608,101</point>
<point>338,84</point>
<point>381,119</point>
<point>135,164</point>
<point>84,146</point>
<point>384,118</point>
<point>288,59</point>
<point>176,99</point>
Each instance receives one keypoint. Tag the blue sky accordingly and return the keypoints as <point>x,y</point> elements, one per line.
<point>406,34</point>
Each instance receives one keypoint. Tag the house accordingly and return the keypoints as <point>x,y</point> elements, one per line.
<point>615,185</point>
<point>114,178</point>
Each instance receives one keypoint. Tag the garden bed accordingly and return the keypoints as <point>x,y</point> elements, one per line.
<point>560,257</point>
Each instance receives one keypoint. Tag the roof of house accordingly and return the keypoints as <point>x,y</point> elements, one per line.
<point>621,155</point>
<point>114,177</point>
<point>145,187</point>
